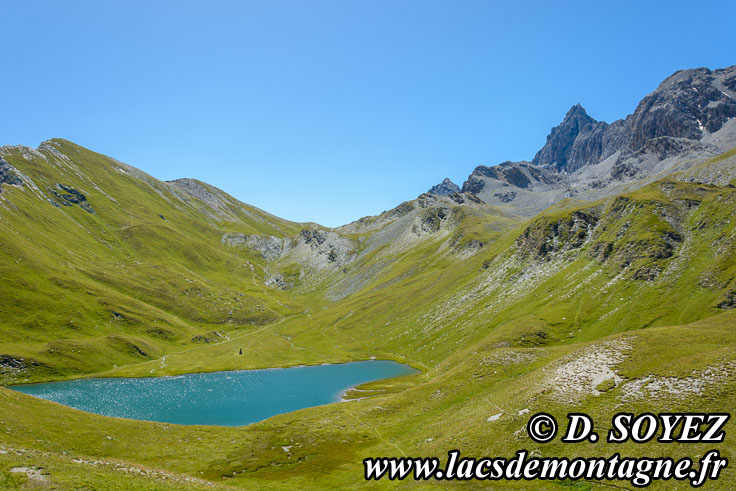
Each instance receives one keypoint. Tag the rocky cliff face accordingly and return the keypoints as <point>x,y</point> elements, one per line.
<point>577,141</point>
<point>445,188</point>
<point>269,247</point>
<point>688,119</point>
<point>518,174</point>
<point>8,175</point>
<point>690,104</point>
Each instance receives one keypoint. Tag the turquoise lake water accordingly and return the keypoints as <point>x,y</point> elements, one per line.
<point>231,398</point>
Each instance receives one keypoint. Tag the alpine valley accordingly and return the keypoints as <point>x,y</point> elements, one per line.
<point>597,277</point>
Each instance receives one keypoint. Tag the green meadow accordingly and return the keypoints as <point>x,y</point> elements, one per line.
<point>621,304</point>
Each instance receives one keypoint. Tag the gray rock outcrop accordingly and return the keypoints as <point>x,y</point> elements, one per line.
<point>8,175</point>
<point>269,247</point>
<point>445,188</point>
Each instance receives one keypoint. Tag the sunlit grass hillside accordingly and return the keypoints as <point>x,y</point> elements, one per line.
<point>626,303</point>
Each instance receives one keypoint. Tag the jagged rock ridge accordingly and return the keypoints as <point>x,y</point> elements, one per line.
<point>445,188</point>
<point>690,117</point>
<point>688,104</point>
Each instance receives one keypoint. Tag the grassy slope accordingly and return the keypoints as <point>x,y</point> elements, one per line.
<point>81,291</point>
<point>487,329</point>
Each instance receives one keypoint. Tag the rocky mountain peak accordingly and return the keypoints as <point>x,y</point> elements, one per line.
<point>570,144</point>
<point>445,188</point>
<point>690,117</point>
<point>577,113</point>
<point>689,104</point>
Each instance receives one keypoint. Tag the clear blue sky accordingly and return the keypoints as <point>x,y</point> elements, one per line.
<point>331,110</point>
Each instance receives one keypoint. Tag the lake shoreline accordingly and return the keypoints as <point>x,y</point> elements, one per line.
<point>223,398</point>
<point>115,374</point>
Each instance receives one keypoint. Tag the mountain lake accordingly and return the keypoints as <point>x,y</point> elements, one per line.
<point>230,398</point>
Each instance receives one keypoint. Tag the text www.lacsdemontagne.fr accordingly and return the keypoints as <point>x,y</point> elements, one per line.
<point>639,472</point>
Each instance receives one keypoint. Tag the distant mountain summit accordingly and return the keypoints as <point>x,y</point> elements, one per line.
<point>574,143</point>
<point>690,104</point>
<point>445,188</point>
<point>688,118</point>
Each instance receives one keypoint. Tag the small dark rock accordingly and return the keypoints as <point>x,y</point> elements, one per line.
<point>622,170</point>
<point>209,337</point>
<point>68,196</point>
<point>506,197</point>
<point>729,300</point>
